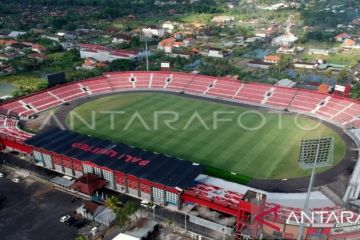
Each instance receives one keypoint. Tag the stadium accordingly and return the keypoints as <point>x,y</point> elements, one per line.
<point>237,168</point>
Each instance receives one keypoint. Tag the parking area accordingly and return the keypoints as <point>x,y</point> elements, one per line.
<point>31,210</point>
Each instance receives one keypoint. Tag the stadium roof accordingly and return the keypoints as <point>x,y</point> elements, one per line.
<point>166,170</point>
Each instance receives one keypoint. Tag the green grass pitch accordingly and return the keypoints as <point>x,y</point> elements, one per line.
<point>271,152</point>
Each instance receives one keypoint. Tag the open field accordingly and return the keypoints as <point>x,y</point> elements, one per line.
<point>270,152</point>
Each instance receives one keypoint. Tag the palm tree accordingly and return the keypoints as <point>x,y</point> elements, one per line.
<point>113,203</point>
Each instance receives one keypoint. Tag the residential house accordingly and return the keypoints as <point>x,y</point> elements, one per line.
<point>121,38</point>
<point>96,213</point>
<point>188,41</point>
<point>349,44</point>
<point>274,7</point>
<point>7,42</point>
<point>67,45</point>
<point>168,44</point>
<point>38,56</point>
<point>153,30</point>
<point>218,53</point>
<point>36,47</point>
<point>286,50</point>
<point>223,20</point>
<point>259,63</point>
<point>355,21</point>
<point>272,59</point>
<point>305,65</point>
<point>168,26</point>
<point>265,33</point>
<point>8,56</point>
<point>342,37</point>
<point>262,34</point>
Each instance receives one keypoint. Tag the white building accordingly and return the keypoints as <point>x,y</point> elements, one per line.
<point>153,30</point>
<point>284,40</point>
<point>104,54</point>
<point>168,26</point>
<point>218,53</point>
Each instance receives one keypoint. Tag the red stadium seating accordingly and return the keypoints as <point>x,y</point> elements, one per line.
<point>8,127</point>
<point>341,111</point>
<point>253,93</point>
<point>141,79</point>
<point>225,88</point>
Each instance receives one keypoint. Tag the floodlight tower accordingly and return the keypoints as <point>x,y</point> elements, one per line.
<point>314,153</point>
<point>145,38</point>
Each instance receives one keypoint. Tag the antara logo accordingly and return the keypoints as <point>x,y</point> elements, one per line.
<point>338,218</point>
<point>111,153</point>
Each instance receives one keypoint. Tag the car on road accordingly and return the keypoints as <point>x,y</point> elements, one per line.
<point>2,175</point>
<point>16,180</point>
<point>65,218</point>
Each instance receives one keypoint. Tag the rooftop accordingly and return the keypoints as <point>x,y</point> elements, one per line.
<point>166,170</point>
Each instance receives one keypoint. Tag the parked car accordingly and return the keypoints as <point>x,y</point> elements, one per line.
<point>71,221</point>
<point>65,218</point>
<point>16,180</point>
<point>94,230</point>
<point>147,204</point>
<point>80,224</point>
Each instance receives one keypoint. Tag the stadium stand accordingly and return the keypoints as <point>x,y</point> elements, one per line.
<point>338,110</point>
<point>341,111</point>
<point>253,93</point>
<point>8,127</point>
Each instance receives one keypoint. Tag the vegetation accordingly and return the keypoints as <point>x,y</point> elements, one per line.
<point>217,67</point>
<point>25,83</point>
<point>122,211</point>
<point>122,65</point>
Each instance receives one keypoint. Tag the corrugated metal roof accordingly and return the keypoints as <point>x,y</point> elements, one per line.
<point>169,171</point>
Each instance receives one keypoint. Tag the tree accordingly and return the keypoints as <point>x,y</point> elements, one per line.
<point>113,203</point>
<point>122,65</point>
<point>122,215</point>
<point>121,218</point>
<point>131,208</point>
<point>343,75</point>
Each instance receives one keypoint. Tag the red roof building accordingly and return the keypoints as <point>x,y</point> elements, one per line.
<point>88,183</point>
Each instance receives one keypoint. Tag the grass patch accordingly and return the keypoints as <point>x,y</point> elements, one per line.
<point>219,173</point>
<point>270,152</point>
